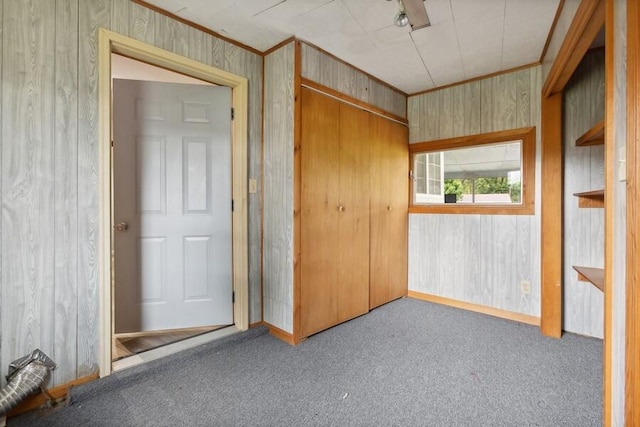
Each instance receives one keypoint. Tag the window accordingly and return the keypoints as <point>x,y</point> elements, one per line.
<point>491,173</point>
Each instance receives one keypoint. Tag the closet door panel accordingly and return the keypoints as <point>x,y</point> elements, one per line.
<point>319,204</point>
<point>389,210</point>
<point>353,241</point>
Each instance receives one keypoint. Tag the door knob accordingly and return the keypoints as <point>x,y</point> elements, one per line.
<point>389,208</point>
<point>122,226</point>
<point>341,208</point>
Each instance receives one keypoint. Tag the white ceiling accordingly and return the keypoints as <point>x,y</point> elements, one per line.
<point>486,160</point>
<point>466,39</point>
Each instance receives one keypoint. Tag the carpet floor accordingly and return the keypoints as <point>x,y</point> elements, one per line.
<point>408,363</point>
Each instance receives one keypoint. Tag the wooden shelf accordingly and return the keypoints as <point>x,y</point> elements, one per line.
<point>594,136</point>
<point>590,199</point>
<point>593,275</point>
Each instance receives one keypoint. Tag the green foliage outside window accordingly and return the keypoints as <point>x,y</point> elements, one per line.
<point>495,185</point>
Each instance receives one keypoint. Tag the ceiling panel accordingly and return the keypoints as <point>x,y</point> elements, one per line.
<point>466,11</point>
<point>439,11</point>
<point>467,38</point>
<point>438,47</point>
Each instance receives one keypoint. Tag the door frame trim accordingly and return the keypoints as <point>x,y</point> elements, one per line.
<point>111,42</point>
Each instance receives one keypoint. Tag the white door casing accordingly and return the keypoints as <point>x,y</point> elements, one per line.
<point>111,42</point>
<point>172,189</point>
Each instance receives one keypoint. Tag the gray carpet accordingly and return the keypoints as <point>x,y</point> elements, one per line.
<point>408,363</point>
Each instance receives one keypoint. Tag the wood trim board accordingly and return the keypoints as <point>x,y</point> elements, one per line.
<point>552,30</point>
<point>297,198</point>
<point>475,79</point>
<point>551,222</point>
<point>528,137</point>
<point>351,100</point>
<point>282,335</point>
<point>54,395</point>
<point>588,21</point>
<point>503,314</point>
<point>196,26</point>
<point>632,374</point>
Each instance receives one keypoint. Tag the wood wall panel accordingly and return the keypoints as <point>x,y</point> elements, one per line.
<point>200,46</point>
<point>335,74</point>
<point>66,191</point>
<point>471,117</point>
<point>92,15</point>
<point>480,259</point>
<point>172,35</point>
<point>583,171</point>
<point>120,14</point>
<point>244,63</point>
<point>278,188</point>
<point>142,23</point>
<point>28,87</point>
<point>49,128</point>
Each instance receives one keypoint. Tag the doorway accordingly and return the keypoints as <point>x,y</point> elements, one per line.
<point>171,199</point>
<point>237,87</point>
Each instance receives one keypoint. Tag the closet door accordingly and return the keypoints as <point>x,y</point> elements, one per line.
<point>389,210</point>
<point>320,175</point>
<point>353,226</point>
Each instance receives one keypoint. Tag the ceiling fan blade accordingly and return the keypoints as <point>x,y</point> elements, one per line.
<point>417,14</point>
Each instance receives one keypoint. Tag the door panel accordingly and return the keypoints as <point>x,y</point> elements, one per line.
<point>172,186</point>
<point>389,204</point>
<point>319,204</point>
<point>353,229</point>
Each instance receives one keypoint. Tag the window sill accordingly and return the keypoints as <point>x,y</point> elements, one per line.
<point>453,209</point>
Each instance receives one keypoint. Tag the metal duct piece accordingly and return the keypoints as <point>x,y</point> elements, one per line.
<point>26,375</point>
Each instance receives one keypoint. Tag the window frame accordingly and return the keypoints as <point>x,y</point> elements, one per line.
<point>527,207</point>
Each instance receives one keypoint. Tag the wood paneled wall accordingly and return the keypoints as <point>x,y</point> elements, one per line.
<point>278,187</point>
<point>332,73</point>
<point>480,259</point>
<point>583,107</point>
<point>49,126</point>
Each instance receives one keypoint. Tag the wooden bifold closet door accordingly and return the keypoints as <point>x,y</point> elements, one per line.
<point>353,211</point>
<point>389,192</point>
<point>335,213</point>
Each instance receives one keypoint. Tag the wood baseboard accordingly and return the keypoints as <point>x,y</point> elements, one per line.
<point>280,334</point>
<point>503,314</point>
<point>58,393</point>
<point>255,325</point>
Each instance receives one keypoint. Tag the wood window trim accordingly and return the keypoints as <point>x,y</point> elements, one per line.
<point>528,137</point>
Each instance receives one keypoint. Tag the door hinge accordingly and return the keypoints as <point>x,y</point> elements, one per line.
<point>112,142</point>
<point>233,297</point>
<point>232,205</point>
<point>233,113</point>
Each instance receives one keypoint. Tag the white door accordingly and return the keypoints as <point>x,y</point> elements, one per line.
<point>172,205</point>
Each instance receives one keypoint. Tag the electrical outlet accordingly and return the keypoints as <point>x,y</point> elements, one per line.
<point>525,286</point>
<point>253,186</point>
